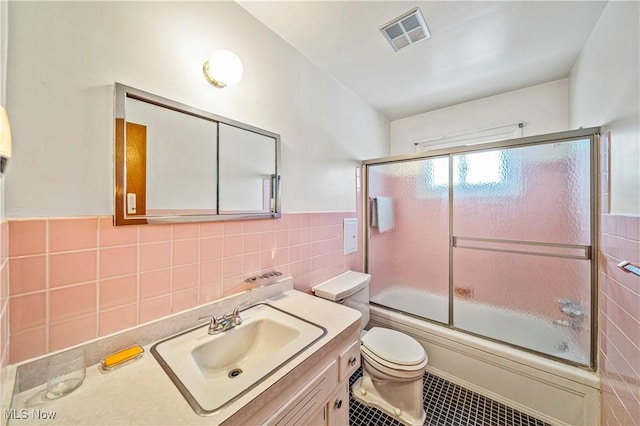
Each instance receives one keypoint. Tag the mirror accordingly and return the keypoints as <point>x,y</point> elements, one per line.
<point>175,163</point>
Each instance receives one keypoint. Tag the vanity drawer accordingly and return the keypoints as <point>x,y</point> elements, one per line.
<point>349,361</point>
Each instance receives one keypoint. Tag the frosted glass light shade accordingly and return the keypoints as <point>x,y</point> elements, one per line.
<point>5,139</point>
<point>223,68</point>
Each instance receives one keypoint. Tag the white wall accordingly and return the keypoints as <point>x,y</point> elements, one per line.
<point>65,56</point>
<point>544,109</point>
<point>604,91</point>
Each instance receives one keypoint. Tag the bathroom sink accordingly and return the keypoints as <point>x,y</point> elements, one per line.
<point>212,371</point>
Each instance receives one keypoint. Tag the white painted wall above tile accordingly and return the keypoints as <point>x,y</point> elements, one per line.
<point>64,58</point>
<point>543,108</point>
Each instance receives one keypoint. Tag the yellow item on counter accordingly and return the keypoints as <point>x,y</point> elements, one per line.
<point>121,357</point>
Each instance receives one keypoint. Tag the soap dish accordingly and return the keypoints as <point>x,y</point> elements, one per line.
<point>120,358</point>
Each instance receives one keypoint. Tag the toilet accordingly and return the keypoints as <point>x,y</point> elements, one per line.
<point>393,364</point>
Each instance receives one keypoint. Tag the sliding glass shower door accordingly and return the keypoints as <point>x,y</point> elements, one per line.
<point>494,240</point>
<point>521,246</point>
<point>409,236</point>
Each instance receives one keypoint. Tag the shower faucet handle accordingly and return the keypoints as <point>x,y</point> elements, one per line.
<point>571,308</point>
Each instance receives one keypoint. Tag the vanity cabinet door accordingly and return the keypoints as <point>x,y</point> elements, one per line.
<point>338,407</point>
<point>310,402</point>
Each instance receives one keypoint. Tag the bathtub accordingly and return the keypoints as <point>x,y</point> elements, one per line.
<point>550,390</point>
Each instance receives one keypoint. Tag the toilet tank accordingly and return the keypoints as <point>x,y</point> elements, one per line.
<point>350,289</point>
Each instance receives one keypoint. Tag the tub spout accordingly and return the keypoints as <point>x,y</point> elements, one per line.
<point>572,323</point>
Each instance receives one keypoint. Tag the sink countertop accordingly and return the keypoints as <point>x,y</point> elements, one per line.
<point>141,393</point>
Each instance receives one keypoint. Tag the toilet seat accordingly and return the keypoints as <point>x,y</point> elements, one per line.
<point>393,350</point>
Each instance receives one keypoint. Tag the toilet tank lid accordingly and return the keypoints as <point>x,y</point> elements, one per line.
<point>341,286</point>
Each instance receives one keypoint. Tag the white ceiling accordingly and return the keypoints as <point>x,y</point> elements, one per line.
<point>476,49</point>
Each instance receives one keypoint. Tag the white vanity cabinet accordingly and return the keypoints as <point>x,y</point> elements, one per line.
<point>319,397</point>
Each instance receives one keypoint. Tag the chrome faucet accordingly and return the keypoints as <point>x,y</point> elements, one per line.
<point>224,322</point>
<point>573,310</point>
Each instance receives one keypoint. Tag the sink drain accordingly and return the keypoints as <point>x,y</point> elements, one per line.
<point>235,373</point>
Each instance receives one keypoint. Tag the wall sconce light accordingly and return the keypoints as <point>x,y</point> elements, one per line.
<point>223,69</point>
<point>5,139</point>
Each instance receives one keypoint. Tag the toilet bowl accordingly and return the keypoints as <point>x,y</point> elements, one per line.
<point>392,375</point>
<point>393,364</point>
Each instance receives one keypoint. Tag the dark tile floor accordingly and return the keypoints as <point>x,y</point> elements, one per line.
<point>446,404</point>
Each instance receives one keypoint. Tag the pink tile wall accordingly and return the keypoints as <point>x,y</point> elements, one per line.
<point>77,279</point>
<point>619,311</point>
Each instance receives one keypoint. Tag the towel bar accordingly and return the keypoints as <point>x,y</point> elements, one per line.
<point>629,267</point>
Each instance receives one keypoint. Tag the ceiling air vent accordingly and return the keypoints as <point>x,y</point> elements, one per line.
<point>405,30</point>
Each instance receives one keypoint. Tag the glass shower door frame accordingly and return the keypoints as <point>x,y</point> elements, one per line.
<point>584,252</point>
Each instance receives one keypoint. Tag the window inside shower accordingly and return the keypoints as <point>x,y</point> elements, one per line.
<point>493,240</point>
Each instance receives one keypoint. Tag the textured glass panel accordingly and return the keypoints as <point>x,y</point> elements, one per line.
<point>409,252</point>
<point>538,303</point>
<point>534,193</point>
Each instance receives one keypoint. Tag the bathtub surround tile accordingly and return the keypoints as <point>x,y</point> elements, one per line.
<point>146,272</point>
<point>619,351</point>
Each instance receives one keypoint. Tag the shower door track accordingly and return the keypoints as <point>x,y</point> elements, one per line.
<point>593,133</point>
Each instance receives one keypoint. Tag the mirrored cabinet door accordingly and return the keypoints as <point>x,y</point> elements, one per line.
<point>175,163</point>
<point>246,186</point>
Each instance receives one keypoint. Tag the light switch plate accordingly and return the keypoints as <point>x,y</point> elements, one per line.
<point>131,203</point>
<point>350,235</point>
